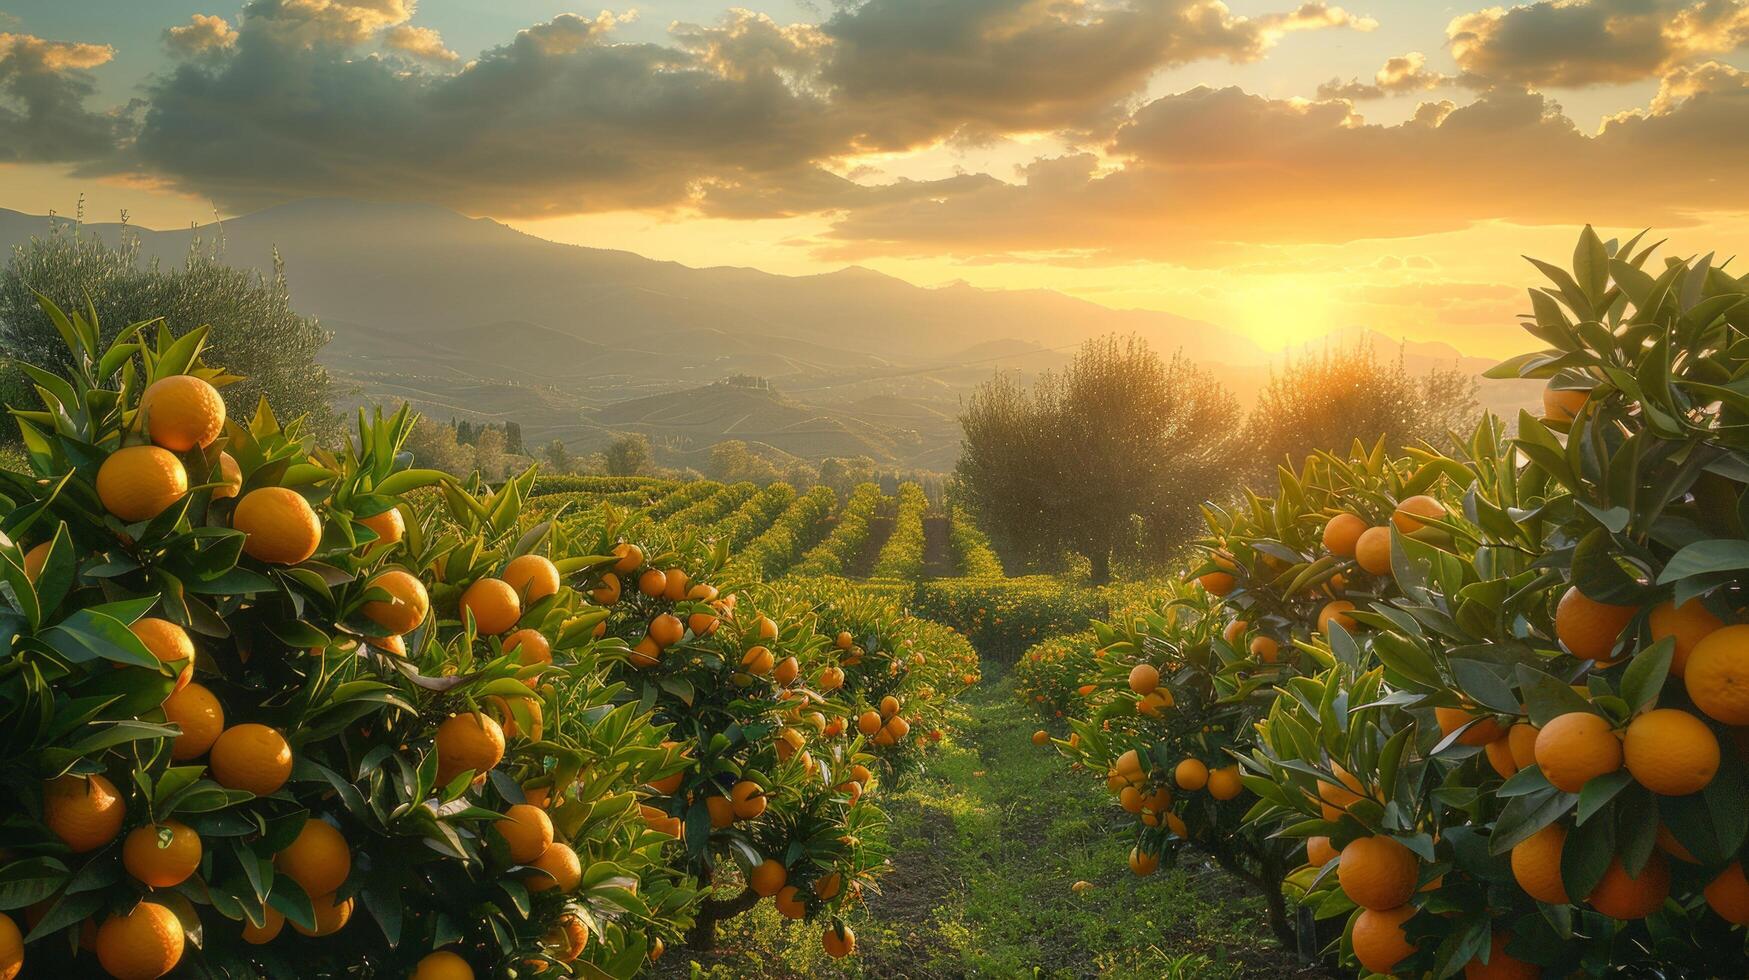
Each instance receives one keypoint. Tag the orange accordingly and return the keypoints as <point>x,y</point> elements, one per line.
<point>889,706</point>
<point>142,944</point>
<point>828,887</point>
<point>1501,965</point>
<point>169,643</point>
<point>470,741</point>
<point>701,623</point>
<point>272,921</point>
<point>1377,872</point>
<point>1342,533</point>
<point>1587,628</point>
<point>1481,733</point>
<point>161,855</point>
<point>1320,852</point>
<point>838,941</point>
<point>1536,864</point>
<point>528,830</point>
<point>1041,737</point>
<point>767,879</point>
<point>1521,738</point>
<point>630,557</point>
<point>1728,895</point>
<point>1562,404</point>
<point>1576,747</point>
<point>1265,649</point>
<point>1378,938</point>
<point>561,862</point>
<point>666,630</point>
<point>1142,863</point>
<point>1372,551</point>
<point>1717,676</point>
<point>201,718</point>
<point>766,628</point>
<point>1336,614</point>
<point>788,902</point>
<point>652,583</point>
<point>674,584</point>
<point>282,527</point>
<point>34,560</point>
<point>1412,514</point>
<point>607,592</point>
<point>1689,623</point>
<point>1144,678</point>
<point>1217,583</point>
<point>1191,774</point>
<point>140,482</point>
<point>786,671</point>
<point>406,606</point>
<point>1335,799</point>
<point>576,937</point>
<point>183,412</point>
<point>758,661</point>
<point>389,526</point>
<point>1225,784</point>
<point>1668,843</point>
<point>442,965</point>
<point>722,812</point>
<point>1671,752</point>
<point>1155,702</point>
<point>747,799</point>
<point>388,644</point>
<point>530,646</point>
<point>843,640</point>
<point>331,916</point>
<point>1234,631</point>
<point>869,722</point>
<point>317,859</point>
<point>645,654</point>
<point>85,812</point>
<point>230,478</point>
<point>11,948</point>
<point>1621,897</point>
<point>1499,753</point>
<point>493,604</point>
<point>533,577</point>
<point>251,757</point>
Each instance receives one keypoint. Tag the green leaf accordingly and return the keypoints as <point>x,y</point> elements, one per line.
<point>1646,674</point>
<point>1705,557</point>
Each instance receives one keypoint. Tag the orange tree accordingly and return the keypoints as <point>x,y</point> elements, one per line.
<point>271,708</point>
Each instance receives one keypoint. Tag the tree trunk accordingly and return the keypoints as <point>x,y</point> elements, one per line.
<point>1100,559</point>
<point>703,935</point>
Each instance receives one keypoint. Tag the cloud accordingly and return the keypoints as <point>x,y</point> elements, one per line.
<point>1589,42</point>
<point>333,23</point>
<point>204,34</point>
<point>420,42</point>
<point>1403,73</point>
<point>44,86</point>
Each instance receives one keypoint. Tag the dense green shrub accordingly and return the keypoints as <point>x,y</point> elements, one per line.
<point>901,556</point>
<point>834,555</point>
<point>778,546</point>
<point>973,555</point>
<point>753,516</point>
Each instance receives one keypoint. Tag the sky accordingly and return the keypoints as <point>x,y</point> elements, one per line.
<point>1281,170</point>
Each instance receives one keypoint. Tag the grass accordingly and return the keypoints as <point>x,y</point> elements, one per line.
<point>988,843</point>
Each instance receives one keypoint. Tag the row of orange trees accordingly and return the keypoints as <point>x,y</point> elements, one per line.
<point>1486,707</point>
<point>272,709</point>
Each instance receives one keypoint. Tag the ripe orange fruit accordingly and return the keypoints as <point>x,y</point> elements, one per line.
<point>675,584</point>
<point>1501,965</point>
<point>786,671</point>
<point>607,592</point>
<point>1320,852</point>
<point>183,412</point>
<point>1536,864</point>
<point>768,878</point>
<point>652,583</point>
<point>766,628</point>
<point>747,799</point>
<point>1336,614</point>
<point>493,604</point>
<point>1717,675</point>
<point>1142,863</point>
<point>1412,514</point>
<point>1191,775</point>
<point>721,810</point>
<point>645,654</point>
<point>828,887</point>
<point>534,577</point>
<point>889,706</point>
<point>442,965</point>
<point>630,557</point>
<point>1041,737</point>
<point>1372,550</point>
<point>282,527</point>
<point>169,643</point>
<point>1378,872</point>
<point>1562,404</point>
<point>1576,747</point>
<point>331,916</point>
<point>272,921</point>
<point>838,941</point>
<point>528,830</point>
<point>318,858</point>
<point>1587,628</point>
<point>1671,752</point>
<point>85,812</point>
<point>142,944</point>
<point>562,863</point>
<point>161,855</point>
<point>1499,753</point>
<point>758,661</point>
<point>201,718</point>
<point>1621,897</point>
<point>406,606</point>
<point>11,948</point>
<point>34,560</point>
<point>530,646</point>
<point>1728,894</point>
<point>1335,799</point>
<point>140,482</point>
<point>788,902</point>
<point>1234,631</point>
<point>1342,533</point>
<point>1265,649</point>
<point>1144,678</point>
<point>469,741</point>
<point>1378,938</point>
<point>666,630</point>
<point>575,937</point>
<point>230,477</point>
<point>389,526</point>
<point>251,757</point>
<point>1225,784</point>
<point>1689,623</point>
<point>1481,733</point>
<point>701,623</point>
<point>1219,582</point>
<point>843,640</point>
<point>1521,739</point>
